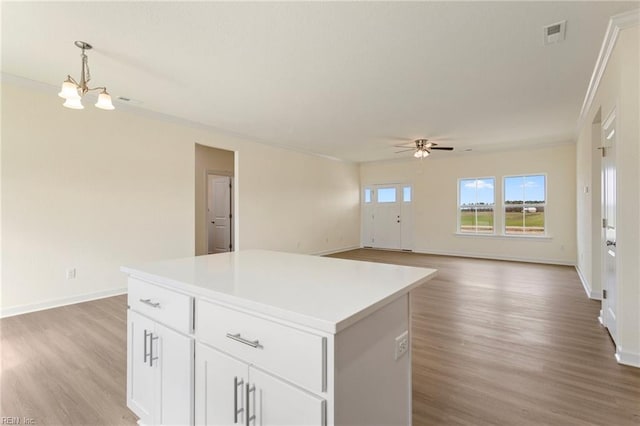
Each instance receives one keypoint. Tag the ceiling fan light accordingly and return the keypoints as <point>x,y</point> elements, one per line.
<point>418,154</point>
<point>104,101</point>
<point>69,90</point>
<point>73,103</point>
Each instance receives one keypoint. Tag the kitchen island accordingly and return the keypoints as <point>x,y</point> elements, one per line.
<point>267,338</point>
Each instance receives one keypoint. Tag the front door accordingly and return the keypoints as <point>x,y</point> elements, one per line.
<point>387,217</point>
<point>386,226</point>
<point>609,270</point>
<point>219,213</point>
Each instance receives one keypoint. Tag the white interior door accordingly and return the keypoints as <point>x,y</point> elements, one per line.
<point>609,269</point>
<point>219,213</point>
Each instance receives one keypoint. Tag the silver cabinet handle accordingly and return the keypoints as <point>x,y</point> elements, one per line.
<point>150,303</point>
<point>146,334</point>
<point>151,357</point>
<point>238,338</point>
<point>247,417</point>
<point>236,411</point>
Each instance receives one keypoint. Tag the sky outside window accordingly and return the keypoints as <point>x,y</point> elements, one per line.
<point>476,191</point>
<point>530,189</point>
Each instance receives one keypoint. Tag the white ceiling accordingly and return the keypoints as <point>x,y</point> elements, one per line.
<point>348,80</point>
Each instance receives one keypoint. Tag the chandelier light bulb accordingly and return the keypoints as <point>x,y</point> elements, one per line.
<point>104,101</point>
<point>73,103</point>
<point>69,90</point>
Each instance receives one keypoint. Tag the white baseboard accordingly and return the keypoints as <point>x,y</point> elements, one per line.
<point>495,257</point>
<point>587,288</point>
<point>55,303</point>
<point>326,252</point>
<point>627,358</point>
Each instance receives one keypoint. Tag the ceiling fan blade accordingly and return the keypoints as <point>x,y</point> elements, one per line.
<point>405,150</point>
<point>406,145</point>
<point>444,148</point>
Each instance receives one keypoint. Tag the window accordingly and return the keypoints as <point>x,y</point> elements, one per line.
<point>524,204</point>
<point>387,195</point>
<point>367,195</point>
<point>406,194</point>
<point>476,200</point>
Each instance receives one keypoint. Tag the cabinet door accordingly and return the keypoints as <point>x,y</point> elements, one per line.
<point>141,385</point>
<point>275,402</point>
<point>220,388</point>
<point>174,365</point>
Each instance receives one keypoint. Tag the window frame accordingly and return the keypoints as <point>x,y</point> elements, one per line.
<point>505,205</point>
<point>459,209</point>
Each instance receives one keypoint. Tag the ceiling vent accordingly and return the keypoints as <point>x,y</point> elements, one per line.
<point>555,33</point>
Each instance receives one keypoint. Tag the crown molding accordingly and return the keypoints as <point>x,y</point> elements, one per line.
<point>617,23</point>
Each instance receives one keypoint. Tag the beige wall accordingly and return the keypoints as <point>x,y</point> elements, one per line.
<point>207,159</point>
<point>97,189</point>
<point>619,89</point>
<point>435,183</point>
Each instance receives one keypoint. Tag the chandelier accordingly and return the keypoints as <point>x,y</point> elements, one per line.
<point>73,91</point>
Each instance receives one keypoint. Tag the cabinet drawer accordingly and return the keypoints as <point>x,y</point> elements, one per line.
<point>292,354</point>
<point>165,306</point>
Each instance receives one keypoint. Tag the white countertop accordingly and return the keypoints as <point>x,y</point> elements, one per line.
<point>323,293</point>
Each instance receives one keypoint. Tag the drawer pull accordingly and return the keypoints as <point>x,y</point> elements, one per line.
<point>150,303</point>
<point>238,338</point>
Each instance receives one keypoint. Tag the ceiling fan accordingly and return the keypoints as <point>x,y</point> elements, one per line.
<point>422,148</point>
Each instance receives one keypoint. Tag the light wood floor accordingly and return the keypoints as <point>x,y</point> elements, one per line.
<point>499,343</point>
<point>508,343</point>
<point>67,366</point>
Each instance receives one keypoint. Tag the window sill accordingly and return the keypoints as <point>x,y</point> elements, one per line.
<point>505,237</point>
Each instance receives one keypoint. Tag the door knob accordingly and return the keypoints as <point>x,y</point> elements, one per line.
<point>213,221</point>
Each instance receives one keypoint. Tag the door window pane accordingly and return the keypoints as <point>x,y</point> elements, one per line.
<point>387,195</point>
<point>367,195</point>
<point>406,194</point>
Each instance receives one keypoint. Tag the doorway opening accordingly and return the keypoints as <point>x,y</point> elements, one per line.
<point>214,200</point>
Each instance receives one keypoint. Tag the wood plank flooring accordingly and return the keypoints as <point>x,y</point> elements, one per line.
<point>66,366</point>
<point>509,343</point>
<point>494,343</point>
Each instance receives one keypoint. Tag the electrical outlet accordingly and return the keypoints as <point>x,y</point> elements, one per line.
<point>71,273</point>
<point>402,345</point>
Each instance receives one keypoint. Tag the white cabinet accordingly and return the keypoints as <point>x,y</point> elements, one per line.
<point>228,390</point>
<point>141,374</point>
<point>260,338</point>
<point>275,402</point>
<point>160,370</point>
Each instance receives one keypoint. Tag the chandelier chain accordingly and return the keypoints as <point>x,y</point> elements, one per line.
<point>87,75</point>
